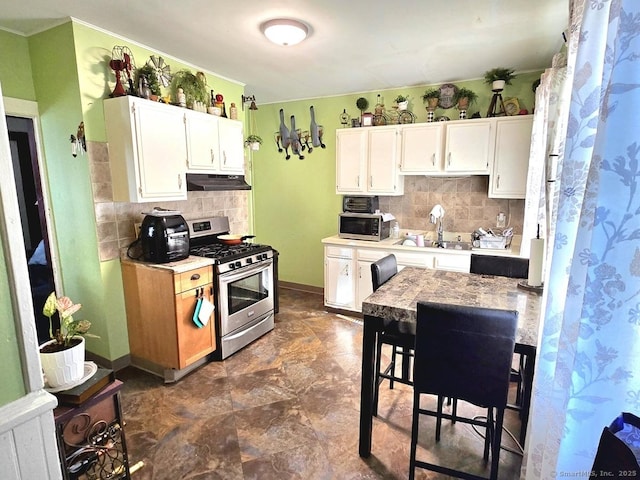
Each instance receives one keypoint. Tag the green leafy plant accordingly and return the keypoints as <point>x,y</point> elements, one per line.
<point>253,139</point>
<point>149,73</point>
<point>499,73</point>
<point>401,98</point>
<point>465,92</point>
<point>431,93</point>
<point>192,86</point>
<point>69,327</point>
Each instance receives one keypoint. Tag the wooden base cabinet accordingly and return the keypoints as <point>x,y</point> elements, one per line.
<point>160,306</point>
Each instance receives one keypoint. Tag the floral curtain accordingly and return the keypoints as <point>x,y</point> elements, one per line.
<point>547,150</point>
<point>588,363</point>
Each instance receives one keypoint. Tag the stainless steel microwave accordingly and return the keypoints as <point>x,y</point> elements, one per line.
<point>365,226</point>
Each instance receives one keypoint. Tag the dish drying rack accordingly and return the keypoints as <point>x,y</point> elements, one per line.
<point>490,239</point>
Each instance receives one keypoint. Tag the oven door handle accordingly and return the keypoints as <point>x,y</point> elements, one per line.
<point>245,271</point>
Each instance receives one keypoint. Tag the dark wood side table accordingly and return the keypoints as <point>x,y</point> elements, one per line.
<point>91,437</point>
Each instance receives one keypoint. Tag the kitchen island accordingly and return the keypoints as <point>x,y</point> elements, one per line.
<point>397,300</point>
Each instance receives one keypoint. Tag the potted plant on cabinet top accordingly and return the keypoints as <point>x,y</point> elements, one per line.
<point>431,97</point>
<point>62,357</point>
<point>148,72</point>
<point>193,87</point>
<point>464,97</point>
<point>253,142</point>
<point>498,78</point>
<point>402,101</point>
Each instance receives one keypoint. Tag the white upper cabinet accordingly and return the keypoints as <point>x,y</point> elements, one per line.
<point>468,146</point>
<point>421,148</point>
<point>384,149</point>
<point>231,146</point>
<point>367,161</point>
<point>351,160</point>
<point>147,150</point>
<point>203,146</point>
<point>215,144</point>
<point>511,160</point>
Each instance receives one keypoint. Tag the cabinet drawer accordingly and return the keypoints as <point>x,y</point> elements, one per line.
<point>192,279</point>
<point>342,252</point>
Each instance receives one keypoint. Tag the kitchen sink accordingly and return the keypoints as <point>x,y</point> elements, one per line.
<point>454,245</point>
<point>457,245</point>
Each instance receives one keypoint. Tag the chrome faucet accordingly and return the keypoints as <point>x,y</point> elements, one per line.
<point>436,215</point>
<point>440,232</point>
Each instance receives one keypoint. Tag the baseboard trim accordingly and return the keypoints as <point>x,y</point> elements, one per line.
<point>301,287</point>
<point>115,365</point>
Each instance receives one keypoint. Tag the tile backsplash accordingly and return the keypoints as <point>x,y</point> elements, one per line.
<point>464,199</point>
<point>115,221</point>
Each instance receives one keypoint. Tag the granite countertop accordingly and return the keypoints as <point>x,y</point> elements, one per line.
<point>397,299</point>
<point>190,263</point>
<point>392,244</point>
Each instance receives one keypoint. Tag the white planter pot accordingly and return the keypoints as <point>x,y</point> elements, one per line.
<point>403,105</point>
<point>255,146</point>
<point>64,367</point>
<point>497,85</point>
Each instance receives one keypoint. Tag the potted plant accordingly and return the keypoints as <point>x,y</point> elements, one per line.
<point>253,142</point>
<point>464,97</point>
<point>62,357</point>
<point>148,72</point>
<point>499,77</point>
<point>431,97</point>
<point>193,87</point>
<point>362,104</point>
<point>402,101</point>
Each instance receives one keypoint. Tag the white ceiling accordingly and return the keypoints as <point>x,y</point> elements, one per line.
<point>354,46</point>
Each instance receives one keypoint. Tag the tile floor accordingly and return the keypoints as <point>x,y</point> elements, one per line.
<point>286,407</point>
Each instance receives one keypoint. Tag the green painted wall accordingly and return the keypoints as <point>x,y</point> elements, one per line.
<point>66,71</point>
<point>295,200</point>
<point>15,69</point>
<point>11,371</point>
<point>96,81</point>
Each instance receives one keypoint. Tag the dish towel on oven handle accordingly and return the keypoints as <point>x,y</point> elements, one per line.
<point>206,309</point>
<point>196,312</point>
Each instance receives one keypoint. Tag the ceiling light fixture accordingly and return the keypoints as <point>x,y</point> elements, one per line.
<point>284,31</point>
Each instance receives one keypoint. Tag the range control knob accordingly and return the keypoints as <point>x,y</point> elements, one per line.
<point>249,260</point>
<point>238,264</point>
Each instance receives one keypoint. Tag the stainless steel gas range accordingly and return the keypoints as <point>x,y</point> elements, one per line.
<point>245,284</point>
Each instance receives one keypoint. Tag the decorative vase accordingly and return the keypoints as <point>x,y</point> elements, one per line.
<point>497,85</point>
<point>65,366</point>
<point>403,105</point>
<point>255,146</point>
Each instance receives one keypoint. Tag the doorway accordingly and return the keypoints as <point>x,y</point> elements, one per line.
<point>28,180</point>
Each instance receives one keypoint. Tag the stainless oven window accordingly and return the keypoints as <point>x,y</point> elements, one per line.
<point>247,291</point>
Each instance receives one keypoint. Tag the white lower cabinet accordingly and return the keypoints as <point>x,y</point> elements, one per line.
<point>339,277</point>
<point>347,270</point>
<point>365,283</point>
<point>452,262</point>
